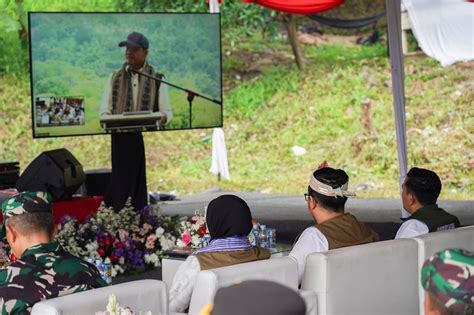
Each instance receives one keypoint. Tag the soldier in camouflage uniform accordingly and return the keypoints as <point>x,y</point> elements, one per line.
<point>448,280</point>
<point>43,270</point>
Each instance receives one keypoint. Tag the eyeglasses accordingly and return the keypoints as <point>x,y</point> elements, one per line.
<point>306,197</point>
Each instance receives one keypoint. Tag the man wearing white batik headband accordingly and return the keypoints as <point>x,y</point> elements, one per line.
<point>326,198</point>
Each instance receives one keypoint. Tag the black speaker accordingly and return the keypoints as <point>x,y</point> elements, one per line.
<point>57,172</point>
<point>96,182</point>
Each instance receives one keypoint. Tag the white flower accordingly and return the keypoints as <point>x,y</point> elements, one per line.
<point>159,231</point>
<point>117,270</point>
<point>121,260</point>
<point>168,243</point>
<point>179,243</point>
<point>195,227</point>
<point>152,259</point>
<point>195,240</point>
<point>92,247</point>
<point>113,306</point>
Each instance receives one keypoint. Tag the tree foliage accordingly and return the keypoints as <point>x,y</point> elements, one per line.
<point>238,19</point>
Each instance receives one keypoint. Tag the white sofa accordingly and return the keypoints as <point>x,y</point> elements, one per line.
<point>142,295</point>
<point>431,243</point>
<point>281,270</point>
<point>370,279</point>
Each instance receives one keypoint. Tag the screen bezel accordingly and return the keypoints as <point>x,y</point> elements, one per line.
<point>32,104</point>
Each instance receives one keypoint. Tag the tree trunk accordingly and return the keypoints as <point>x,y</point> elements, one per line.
<point>22,20</point>
<point>290,25</point>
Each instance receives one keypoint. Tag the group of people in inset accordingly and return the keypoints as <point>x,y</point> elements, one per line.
<point>44,270</point>
<point>60,111</point>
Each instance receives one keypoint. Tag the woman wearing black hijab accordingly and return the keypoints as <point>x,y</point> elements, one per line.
<point>229,222</point>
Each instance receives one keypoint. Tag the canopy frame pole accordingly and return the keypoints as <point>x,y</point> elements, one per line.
<point>393,9</point>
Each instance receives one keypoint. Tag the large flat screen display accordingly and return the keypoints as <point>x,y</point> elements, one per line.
<point>95,73</point>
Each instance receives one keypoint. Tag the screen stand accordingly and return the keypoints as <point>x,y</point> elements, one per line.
<point>190,101</point>
<point>128,177</point>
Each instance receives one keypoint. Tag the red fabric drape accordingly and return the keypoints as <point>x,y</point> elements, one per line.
<point>298,6</point>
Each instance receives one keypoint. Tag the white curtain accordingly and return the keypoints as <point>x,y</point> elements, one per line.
<point>444,29</point>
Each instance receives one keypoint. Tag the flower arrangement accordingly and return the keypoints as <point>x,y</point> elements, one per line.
<point>113,308</point>
<point>4,250</point>
<point>131,241</point>
<point>193,233</point>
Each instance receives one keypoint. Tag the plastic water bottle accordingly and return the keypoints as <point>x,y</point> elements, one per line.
<point>105,271</point>
<point>205,240</point>
<point>98,265</point>
<point>271,237</point>
<point>107,276</point>
<point>253,236</point>
<point>263,236</point>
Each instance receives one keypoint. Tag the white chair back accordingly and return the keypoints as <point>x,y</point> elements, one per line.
<point>281,270</point>
<point>310,300</point>
<point>141,295</point>
<point>376,278</point>
<point>431,243</point>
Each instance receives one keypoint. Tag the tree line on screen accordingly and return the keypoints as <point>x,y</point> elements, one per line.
<point>239,19</point>
<point>65,46</point>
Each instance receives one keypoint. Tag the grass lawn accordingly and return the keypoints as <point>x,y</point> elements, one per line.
<point>270,106</point>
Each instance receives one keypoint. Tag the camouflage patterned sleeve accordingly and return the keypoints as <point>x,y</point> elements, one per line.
<point>11,292</point>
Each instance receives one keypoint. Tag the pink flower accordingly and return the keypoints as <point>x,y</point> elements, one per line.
<point>186,238</point>
<point>150,241</point>
<point>147,227</point>
<point>123,235</point>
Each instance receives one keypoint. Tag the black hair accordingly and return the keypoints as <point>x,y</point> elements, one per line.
<point>33,222</point>
<point>424,184</point>
<point>334,178</point>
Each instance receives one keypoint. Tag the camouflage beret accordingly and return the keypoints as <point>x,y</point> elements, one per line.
<point>449,277</point>
<point>25,202</point>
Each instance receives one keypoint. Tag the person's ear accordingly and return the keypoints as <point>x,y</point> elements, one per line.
<point>313,203</point>
<point>411,199</point>
<point>11,233</point>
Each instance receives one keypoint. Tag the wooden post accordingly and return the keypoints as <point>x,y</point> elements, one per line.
<point>290,25</point>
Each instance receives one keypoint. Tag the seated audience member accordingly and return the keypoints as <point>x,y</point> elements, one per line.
<point>43,270</point>
<point>448,280</point>
<point>327,195</point>
<point>258,297</point>
<point>229,222</point>
<point>420,191</point>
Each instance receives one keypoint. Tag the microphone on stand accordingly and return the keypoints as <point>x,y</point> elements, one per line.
<point>127,69</point>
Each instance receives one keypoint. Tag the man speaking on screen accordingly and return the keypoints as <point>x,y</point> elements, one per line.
<point>128,91</point>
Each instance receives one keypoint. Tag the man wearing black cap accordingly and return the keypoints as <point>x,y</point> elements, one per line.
<point>43,269</point>
<point>128,91</point>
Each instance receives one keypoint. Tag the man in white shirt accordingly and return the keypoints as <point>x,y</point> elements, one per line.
<point>326,198</point>
<point>127,91</point>
<point>420,192</point>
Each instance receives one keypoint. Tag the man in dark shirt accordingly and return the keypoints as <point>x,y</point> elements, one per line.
<point>43,269</point>
<point>420,192</point>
